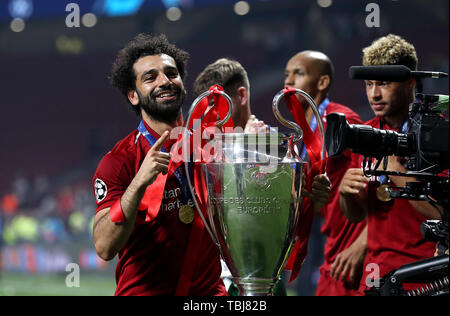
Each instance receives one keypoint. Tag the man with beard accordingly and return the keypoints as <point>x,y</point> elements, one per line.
<point>154,258</point>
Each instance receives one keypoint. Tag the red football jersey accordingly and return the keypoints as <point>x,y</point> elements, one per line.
<point>339,232</point>
<point>151,260</point>
<point>394,237</point>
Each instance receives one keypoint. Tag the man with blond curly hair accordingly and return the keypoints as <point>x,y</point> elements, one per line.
<point>394,236</point>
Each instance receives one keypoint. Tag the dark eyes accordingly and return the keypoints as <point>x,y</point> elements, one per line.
<point>298,73</point>
<point>381,84</point>
<point>169,75</point>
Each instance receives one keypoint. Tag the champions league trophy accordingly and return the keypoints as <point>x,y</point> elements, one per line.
<point>254,186</point>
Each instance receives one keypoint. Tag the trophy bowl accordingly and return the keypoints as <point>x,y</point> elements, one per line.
<point>253,206</point>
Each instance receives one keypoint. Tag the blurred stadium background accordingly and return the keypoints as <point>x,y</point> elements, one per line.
<point>59,115</point>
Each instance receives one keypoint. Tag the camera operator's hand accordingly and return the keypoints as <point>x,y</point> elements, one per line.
<point>353,195</point>
<point>353,183</point>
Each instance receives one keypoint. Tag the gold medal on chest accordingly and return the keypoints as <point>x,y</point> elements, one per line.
<point>186,214</point>
<point>383,193</point>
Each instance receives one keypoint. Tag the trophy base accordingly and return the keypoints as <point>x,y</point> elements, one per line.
<point>255,286</point>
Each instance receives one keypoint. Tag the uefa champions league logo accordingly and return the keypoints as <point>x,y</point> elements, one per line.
<point>100,190</point>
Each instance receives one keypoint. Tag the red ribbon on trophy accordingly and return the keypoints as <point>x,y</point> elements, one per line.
<point>208,122</point>
<point>313,147</point>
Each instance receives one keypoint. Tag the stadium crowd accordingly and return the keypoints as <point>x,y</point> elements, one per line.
<point>43,227</point>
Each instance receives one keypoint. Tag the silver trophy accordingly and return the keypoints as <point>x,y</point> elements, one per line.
<point>254,188</point>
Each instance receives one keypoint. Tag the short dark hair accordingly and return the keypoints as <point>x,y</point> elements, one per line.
<point>327,68</point>
<point>122,74</point>
<point>322,63</point>
<point>225,72</point>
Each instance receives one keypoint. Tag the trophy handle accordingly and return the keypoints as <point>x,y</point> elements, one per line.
<point>294,126</point>
<point>186,154</point>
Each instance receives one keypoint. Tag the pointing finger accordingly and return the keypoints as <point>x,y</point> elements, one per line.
<point>158,145</point>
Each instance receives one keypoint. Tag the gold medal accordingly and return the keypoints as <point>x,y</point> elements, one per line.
<point>186,214</point>
<point>383,193</point>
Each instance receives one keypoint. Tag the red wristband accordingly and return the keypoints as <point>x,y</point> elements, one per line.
<point>115,212</point>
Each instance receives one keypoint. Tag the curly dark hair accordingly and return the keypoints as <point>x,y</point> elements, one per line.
<point>122,74</point>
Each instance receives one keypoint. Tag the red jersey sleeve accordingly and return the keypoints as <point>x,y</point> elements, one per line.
<point>111,179</point>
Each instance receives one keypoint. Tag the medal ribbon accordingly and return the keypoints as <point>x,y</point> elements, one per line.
<point>151,200</point>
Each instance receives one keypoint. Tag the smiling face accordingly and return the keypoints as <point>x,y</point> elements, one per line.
<point>159,88</point>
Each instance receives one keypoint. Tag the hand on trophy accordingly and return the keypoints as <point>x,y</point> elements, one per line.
<point>320,191</point>
<point>254,125</point>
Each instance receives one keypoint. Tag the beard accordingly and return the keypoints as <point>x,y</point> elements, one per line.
<point>166,111</point>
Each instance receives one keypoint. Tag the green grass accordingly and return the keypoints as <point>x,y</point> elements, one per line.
<point>55,285</point>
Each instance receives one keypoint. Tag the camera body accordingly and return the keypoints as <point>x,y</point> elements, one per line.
<point>430,132</point>
<point>425,145</point>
